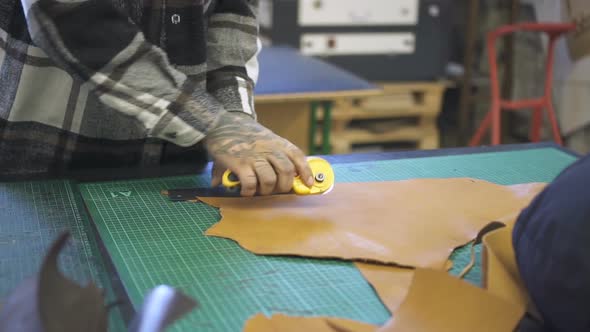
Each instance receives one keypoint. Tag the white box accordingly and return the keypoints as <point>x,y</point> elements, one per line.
<point>357,13</point>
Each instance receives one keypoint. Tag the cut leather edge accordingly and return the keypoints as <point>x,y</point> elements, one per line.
<point>261,322</point>
<point>490,227</point>
<point>413,312</point>
<point>212,232</point>
<point>438,264</point>
<point>505,265</point>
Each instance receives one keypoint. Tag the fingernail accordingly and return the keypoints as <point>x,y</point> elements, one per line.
<point>310,181</point>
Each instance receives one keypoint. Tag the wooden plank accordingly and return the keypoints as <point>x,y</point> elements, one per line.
<point>288,115</point>
<point>401,100</point>
<point>361,136</point>
<point>319,96</point>
<point>430,134</point>
<point>435,86</point>
<point>424,134</point>
<point>383,88</point>
<point>384,114</point>
<point>290,121</point>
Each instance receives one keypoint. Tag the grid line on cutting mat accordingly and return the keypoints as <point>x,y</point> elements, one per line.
<point>152,241</point>
<point>32,215</point>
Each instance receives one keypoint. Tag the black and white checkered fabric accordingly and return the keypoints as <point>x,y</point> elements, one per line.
<point>114,82</point>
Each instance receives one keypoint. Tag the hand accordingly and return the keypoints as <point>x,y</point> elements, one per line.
<point>263,162</point>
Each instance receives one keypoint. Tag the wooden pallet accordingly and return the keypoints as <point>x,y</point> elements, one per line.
<point>404,112</point>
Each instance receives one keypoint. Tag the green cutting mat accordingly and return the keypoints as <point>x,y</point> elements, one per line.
<point>153,241</point>
<point>32,215</point>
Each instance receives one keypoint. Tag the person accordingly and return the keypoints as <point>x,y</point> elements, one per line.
<point>551,241</point>
<point>99,83</point>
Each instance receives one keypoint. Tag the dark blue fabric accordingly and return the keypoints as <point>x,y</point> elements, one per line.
<point>552,246</point>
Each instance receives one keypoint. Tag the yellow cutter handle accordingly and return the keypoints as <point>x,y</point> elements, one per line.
<point>322,172</point>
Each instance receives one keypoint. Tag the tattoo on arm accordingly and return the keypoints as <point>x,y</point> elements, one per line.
<point>239,136</point>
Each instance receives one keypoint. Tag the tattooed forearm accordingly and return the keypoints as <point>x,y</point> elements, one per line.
<point>240,136</point>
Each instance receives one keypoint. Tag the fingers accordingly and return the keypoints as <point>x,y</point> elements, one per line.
<point>285,171</point>
<point>254,176</point>
<point>267,178</point>
<point>301,166</point>
<point>248,180</point>
<point>267,171</point>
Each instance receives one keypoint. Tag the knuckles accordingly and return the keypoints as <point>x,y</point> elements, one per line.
<point>268,181</point>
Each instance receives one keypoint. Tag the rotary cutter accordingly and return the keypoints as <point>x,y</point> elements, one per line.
<point>323,179</point>
<point>323,183</point>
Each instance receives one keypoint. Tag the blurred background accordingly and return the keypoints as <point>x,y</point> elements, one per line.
<point>427,64</point>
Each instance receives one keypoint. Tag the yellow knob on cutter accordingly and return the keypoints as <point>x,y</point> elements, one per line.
<point>323,176</point>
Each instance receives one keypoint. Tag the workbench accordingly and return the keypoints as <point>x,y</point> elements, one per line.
<point>128,238</point>
<point>289,80</point>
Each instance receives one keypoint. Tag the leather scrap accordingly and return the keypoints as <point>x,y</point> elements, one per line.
<point>449,265</point>
<point>412,223</point>
<point>500,275</point>
<point>494,225</point>
<point>499,270</point>
<point>390,283</point>
<point>440,302</point>
<point>65,306</point>
<point>437,301</point>
<point>50,302</point>
<point>284,323</point>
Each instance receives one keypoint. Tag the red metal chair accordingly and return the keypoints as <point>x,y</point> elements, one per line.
<point>492,119</point>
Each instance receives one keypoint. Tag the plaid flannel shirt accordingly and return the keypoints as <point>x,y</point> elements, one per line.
<point>109,83</point>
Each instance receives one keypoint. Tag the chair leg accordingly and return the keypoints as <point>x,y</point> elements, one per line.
<point>554,125</point>
<point>549,90</point>
<point>535,134</point>
<point>494,88</point>
<point>496,124</point>
<point>485,124</point>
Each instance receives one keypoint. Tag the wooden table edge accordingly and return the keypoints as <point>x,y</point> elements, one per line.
<point>315,96</point>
